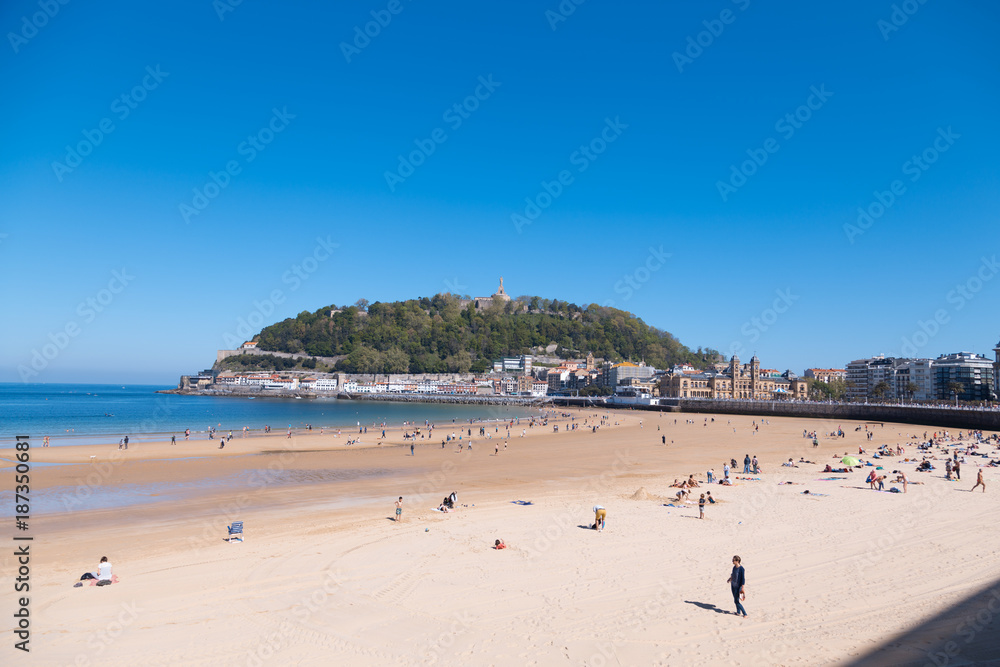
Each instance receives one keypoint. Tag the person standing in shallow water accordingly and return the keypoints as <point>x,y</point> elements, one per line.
<point>737,581</point>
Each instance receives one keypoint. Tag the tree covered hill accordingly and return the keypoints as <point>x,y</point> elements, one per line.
<point>435,335</point>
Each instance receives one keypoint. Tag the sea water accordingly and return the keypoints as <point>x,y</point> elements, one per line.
<point>73,414</point>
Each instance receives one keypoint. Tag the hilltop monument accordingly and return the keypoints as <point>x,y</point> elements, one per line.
<point>487,301</point>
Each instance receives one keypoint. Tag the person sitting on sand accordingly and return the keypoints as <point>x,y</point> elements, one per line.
<point>103,576</point>
<point>691,483</point>
<point>711,500</point>
<point>499,544</point>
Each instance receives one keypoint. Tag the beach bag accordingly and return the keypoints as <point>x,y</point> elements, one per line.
<point>104,582</point>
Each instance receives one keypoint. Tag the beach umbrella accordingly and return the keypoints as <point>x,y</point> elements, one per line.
<point>849,460</point>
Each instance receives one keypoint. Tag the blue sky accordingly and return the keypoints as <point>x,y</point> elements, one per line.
<point>643,109</point>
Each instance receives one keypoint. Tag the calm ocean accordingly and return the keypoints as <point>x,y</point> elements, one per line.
<point>83,414</point>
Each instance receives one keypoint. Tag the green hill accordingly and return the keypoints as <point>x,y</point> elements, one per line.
<point>437,335</point>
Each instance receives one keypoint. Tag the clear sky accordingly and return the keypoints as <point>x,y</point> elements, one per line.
<point>699,164</point>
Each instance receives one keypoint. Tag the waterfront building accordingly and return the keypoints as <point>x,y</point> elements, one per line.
<point>521,364</point>
<point>740,381</point>
<point>625,370</point>
<point>918,373</point>
<point>863,375</point>
<point>972,371</point>
<point>826,374</point>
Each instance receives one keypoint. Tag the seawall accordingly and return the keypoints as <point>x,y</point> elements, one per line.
<point>987,420</point>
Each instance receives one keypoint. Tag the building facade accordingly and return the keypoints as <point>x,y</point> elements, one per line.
<point>739,381</point>
<point>826,374</point>
<point>965,376</point>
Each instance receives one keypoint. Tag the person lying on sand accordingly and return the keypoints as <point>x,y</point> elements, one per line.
<point>676,485</point>
<point>499,544</point>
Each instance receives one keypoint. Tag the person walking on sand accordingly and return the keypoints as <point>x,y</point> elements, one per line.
<point>411,449</point>
<point>737,581</point>
<point>955,466</point>
<point>173,439</point>
<point>980,482</point>
<point>399,509</point>
<point>701,507</point>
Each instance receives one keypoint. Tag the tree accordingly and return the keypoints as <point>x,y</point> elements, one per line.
<point>881,389</point>
<point>911,389</point>
<point>395,361</point>
<point>956,389</point>
<point>362,304</point>
<point>459,363</point>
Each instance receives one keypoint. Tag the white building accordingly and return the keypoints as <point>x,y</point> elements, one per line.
<point>325,384</point>
<point>919,373</point>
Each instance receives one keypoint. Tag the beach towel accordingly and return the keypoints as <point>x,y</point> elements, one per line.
<point>521,502</point>
<point>814,494</point>
<point>673,505</point>
<point>829,479</point>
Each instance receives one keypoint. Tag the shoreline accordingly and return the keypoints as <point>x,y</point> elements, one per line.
<point>256,392</point>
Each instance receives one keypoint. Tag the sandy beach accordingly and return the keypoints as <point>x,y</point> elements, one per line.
<point>325,576</point>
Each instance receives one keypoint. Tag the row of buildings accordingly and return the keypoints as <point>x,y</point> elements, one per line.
<point>520,385</point>
<point>963,376</point>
